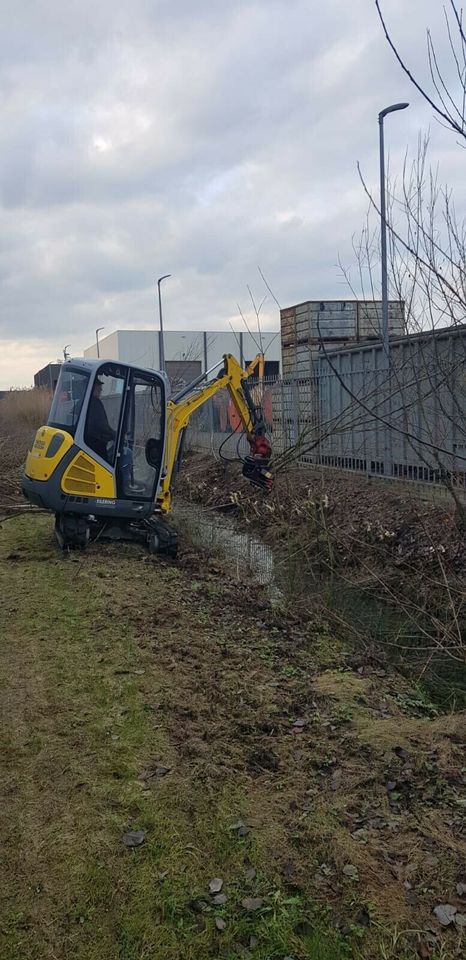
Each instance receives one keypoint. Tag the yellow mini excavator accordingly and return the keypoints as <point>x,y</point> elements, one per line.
<point>106,460</point>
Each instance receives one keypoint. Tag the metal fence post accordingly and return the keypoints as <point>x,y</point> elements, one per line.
<point>295,414</point>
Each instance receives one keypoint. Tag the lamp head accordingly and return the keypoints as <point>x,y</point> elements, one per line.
<point>392,109</point>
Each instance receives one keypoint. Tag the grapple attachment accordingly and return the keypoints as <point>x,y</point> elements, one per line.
<point>255,466</point>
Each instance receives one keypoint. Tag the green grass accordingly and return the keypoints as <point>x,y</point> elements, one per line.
<point>82,687</point>
<point>113,664</point>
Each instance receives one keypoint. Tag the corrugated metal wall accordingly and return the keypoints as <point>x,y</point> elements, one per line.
<point>407,422</point>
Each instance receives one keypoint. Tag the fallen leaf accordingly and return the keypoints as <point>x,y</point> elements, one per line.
<point>362,835</point>
<point>351,871</point>
<point>215,885</point>
<point>198,906</point>
<point>461,889</point>
<point>134,838</point>
<point>219,899</point>
<point>288,870</point>
<point>445,913</point>
<point>411,898</point>
<point>363,918</point>
<point>241,828</point>
<point>163,874</point>
<point>460,919</point>
<point>158,772</point>
<point>391,785</point>
<point>424,951</point>
<point>250,874</point>
<point>220,923</point>
<point>252,903</point>
<point>253,941</point>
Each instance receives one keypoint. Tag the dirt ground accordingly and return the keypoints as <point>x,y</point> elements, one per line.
<point>247,747</point>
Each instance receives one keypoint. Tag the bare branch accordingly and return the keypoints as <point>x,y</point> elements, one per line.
<point>446,116</point>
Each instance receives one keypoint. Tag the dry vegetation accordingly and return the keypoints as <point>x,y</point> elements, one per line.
<point>387,570</point>
<point>21,413</point>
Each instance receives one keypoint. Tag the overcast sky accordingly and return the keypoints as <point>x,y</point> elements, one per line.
<point>200,138</point>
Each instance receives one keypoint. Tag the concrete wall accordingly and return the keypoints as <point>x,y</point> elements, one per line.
<point>142,346</point>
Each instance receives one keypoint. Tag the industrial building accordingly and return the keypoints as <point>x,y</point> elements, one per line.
<point>48,376</point>
<point>188,353</point>
<point>307,330</point>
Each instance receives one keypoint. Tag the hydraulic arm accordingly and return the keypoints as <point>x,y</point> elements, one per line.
<point>181,408</point>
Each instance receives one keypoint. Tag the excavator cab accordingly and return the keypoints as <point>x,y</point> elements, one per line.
<point>101,453</point>
<point>105,461</point>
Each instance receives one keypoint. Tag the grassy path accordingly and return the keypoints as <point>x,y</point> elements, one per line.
<point>142,696</point>
<point>93,704</point>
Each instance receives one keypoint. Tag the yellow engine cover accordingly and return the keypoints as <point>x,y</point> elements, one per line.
<point>49,447</point>
<point>84,477</point>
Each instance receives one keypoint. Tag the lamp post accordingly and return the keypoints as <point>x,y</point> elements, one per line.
<point>66,355</point>
<point>97,340</point>
<point>383,226</point>
<point>162,345</point>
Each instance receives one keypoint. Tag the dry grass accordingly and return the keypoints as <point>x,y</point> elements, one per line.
<point>21,413</point>
<point>29,408</point>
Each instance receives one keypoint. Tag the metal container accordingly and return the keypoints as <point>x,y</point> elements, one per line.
<point>328,323</point>
<point>405,421</point>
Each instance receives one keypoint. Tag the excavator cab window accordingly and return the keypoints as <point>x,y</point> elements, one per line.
<point>142,437</point>
<point>104,412</point>
<point>68,399</point>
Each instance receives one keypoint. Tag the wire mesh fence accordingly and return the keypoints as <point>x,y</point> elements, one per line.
<point>403,420</point>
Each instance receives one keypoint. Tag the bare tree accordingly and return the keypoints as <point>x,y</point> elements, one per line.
<point>425,408</point>
<point>427,246</point>
<point>449,105</point>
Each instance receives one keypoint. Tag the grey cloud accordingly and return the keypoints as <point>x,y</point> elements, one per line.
<point>199,139</point>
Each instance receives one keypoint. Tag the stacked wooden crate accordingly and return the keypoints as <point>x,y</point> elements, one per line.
<point>308,328</point>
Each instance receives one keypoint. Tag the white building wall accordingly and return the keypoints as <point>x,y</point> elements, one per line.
<point>142,346</point>
<point>108,348</point>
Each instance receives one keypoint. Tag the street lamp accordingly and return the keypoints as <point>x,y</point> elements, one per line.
<point>162,345</point>
<point>97,339</point>
<point>66,355</point>
<point>383,225</point>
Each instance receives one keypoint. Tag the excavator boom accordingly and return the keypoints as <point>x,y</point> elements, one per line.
<point>182,407</point>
